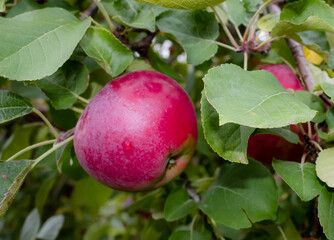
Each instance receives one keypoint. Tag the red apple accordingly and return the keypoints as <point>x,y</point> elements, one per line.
<point>137,133</point>
<point>265,147</point>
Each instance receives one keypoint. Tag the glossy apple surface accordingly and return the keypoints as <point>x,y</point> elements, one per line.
<point>265,147</point>
<point>137,133</point>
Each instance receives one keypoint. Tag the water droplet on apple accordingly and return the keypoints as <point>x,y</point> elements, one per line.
<point>127,145</point>
<point>4,176</point>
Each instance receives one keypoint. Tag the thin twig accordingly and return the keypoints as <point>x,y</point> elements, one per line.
<point>225,28</point>
<point>192,193</point>
<point>47,122</point>
<point>245,60</point>
<point>225,46</point>
<point>105,15</point>
<point>30,148</point>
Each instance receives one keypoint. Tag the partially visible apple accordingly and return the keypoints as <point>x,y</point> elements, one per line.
<point>137,133</point>
<point>265,147</point>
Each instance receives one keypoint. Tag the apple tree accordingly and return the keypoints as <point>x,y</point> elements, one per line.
<point>251,82</point>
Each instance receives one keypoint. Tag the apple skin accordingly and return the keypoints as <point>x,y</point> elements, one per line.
<point>133,127</point>
<point>265,147</point>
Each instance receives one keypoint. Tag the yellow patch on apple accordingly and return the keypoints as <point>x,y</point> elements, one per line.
<point>183,4</point>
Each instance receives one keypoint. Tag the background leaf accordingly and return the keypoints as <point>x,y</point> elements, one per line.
<point>285,133</point>
<point>131,13</point>
<point>51,228</point>
<point>13,106</point>
<point>37,43</point>
<point>230,140</point>
<point>107,50</point>
<point>300,177</point>
<point>178,205</point>
<point>326,211</point>
<point>242,195</point>
<point>196,31</point>
<point>31,226</point>
<point>254,99</point>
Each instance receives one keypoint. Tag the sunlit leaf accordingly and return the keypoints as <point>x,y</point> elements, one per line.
<point>325,166</point>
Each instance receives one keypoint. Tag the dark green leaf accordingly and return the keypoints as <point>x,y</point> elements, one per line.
<point>131,13</point>
<point>13,106</point>
<point>300,177</point>
<point>107,50</point>
<point>11,178</point>
<point>230,140</point>
<point>37,43</point>
<point>330,118</point>
<point>195,30</point>
<point>254,99</point>
<point>64,86</point>
<point>242,195</point>
<point>30,226</point>
<point>178,205</point>
<point>188,235</point>
<point>43,193</point>
<point>326,211</point>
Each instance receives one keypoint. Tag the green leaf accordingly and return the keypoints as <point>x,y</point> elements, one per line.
<point>230,140</point>
<point>2,5</point>
<point>43,193</point>
<point>325,166</point>
<point>183,4</point>
<point>304,15</point>
<point>329,89</point>
<point>31,226</point>
<point>51,228</point>
<point>300,177</point>
<point>196,31</point>
<point>188,235</point>
<point>178,205</point>
<point>131,13</point>
<point>242,195</point>
<point>11,178</point>
<point>330,119</point>
<point>37,43</point>
<point>13,106</point>
<point>268,22</point>
<point>254,99</point>
<point>321,77</point>
<point>313,102</point>
<point>285,133</point>
<point>64,87</point>
<point>326,211</point>
<point>236,11</point>
<point>90,193</point>
<point>107,50</point>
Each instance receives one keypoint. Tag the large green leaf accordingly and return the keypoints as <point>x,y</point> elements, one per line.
<point>242,195</point>
<point>230,140</point>
<point>183,4</point>
<point>178,205</point>
<point>65,85</point>
<point>326,212</point>
<point>196,31</point>
<point>325,166</point>
<point>236,11</point>
<point>300,177</point>
<point>37,43</point>
<point>13,106</point>
<point>12,176</point>
<point>304,15</point>
<point>107,50</point>
<point>254,99</point>
<point>131,13</point>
